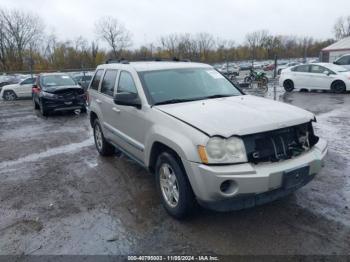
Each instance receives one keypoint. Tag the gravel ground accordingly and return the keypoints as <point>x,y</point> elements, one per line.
<point>58,196</point>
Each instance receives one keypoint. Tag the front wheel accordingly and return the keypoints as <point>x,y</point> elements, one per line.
<point>36,106</point>
<point>248,79</point>
<point>173,186</point>
<point>9,96</point>
<point>43,110</point>
<point>338,87</point>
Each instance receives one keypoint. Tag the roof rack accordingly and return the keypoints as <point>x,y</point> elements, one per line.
<point>158,59</point>
<point>117,61</point>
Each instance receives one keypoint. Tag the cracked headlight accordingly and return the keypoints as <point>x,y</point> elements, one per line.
<point>223,151</point>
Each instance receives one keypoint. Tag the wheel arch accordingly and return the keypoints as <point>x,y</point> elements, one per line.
<point>93,117</point>
<point>337,81</point>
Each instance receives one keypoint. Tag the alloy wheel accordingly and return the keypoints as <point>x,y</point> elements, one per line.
<point>169,185</point>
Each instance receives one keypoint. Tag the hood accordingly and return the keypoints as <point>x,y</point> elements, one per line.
<point>239,115</point>
<point>54,89</point>
<point>11,86</point>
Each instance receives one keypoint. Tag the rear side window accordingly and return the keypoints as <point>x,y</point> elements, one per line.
<point>28,81</point>
<point>301,68</point>
<point>318,69</point>
<point>126,83</point>
<point>96,81</point>
<point>108,82</point>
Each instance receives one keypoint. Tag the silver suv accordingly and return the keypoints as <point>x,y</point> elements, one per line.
<point>204,139</point>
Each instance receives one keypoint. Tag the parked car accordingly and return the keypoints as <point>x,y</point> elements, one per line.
<point>20,90</point>
<point>55,92</point>
<point>323,76</point>
<point>269,67</point>
<point>83,80</point>
<point>230,69</point>
<point>204,139</point>
<point>343,61</point>
<point>8,80</point>
<point>245,66</point>
<point>284,66</point>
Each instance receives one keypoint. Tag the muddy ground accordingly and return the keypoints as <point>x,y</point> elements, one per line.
<point>58,196</point>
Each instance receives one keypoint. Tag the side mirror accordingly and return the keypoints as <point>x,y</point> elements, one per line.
<point>336,63</point>
<point>127,99</point>
<point>326,72</point>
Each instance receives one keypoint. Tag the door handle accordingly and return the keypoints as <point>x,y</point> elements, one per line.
<point>98,101</point>
<point>116,110</point>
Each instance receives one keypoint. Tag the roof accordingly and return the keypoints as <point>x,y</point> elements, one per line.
<point>343,44</point>
<point>159,65</point>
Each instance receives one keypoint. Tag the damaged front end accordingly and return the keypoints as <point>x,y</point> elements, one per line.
<point>281,144</point>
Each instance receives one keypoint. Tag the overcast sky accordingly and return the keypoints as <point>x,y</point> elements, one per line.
<point>149,19</point>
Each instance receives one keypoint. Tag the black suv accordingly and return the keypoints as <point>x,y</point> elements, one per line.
<point>55,92</point>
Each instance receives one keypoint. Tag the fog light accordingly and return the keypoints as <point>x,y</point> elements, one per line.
<point>228,187</point>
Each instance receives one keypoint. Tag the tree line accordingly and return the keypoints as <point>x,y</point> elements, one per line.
<point>24,45</point>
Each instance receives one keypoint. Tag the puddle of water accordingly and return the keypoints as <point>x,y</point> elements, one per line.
<point>48,153</point>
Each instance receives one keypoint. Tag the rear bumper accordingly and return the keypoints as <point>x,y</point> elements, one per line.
<point>252,184</point>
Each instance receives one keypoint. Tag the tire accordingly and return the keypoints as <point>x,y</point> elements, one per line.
<point>265,80</point>
<point>36,106</point>
<point>43,110</point>
<point>9,95</point>
<point>338,87</point>
<point>170,175</point>
<point>288,85</point>
<point>102,146</point>
<point>247,79</point>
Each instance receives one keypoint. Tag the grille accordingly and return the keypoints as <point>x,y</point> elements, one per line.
<point>280,144</point>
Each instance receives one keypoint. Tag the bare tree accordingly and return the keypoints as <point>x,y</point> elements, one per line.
<point>256,40</point>
<point>342,27</point>
<point>114,33</point>
<point>21,31</point>
<point>205,44</point>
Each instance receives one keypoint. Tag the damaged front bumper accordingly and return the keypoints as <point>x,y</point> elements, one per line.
<point>251,184</point>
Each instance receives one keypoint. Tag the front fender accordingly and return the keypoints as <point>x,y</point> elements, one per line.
<point>183,144</point>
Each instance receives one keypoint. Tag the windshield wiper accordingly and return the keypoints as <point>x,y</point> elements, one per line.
<point>174,101</point>
<point>215,96</point>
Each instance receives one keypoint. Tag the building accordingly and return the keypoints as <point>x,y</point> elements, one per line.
<point>332,52</point>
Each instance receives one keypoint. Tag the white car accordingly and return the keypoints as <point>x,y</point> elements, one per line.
<point>284,66</point>
<point>20,90</point>
<point>231,69</point>
<point>323,76</point>
<point>343,61</point>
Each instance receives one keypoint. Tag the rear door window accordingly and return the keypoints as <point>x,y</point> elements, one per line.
<point>97,78</point>
<point>301,69</point>
<point>108,83</point>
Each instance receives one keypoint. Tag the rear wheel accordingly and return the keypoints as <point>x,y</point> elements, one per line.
<point>103,147</point>
<point>288,85</point>
<point>173,186</point>
<point>9,95</point>
<point>338,87</point>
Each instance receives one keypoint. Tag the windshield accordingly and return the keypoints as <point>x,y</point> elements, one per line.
<point>180,85</point>
<point>57,80</point>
